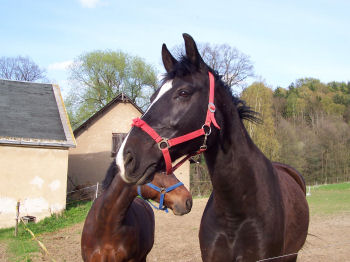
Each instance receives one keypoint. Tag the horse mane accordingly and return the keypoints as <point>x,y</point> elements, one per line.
<point>112,171</point>
<point>185,67</point>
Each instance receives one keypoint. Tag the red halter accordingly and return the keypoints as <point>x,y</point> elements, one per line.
<point>164,144</point>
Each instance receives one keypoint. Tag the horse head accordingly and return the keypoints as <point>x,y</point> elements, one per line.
<point>169,192</point>
<point>180,106</point>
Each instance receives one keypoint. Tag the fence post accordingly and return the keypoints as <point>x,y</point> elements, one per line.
<point>309,191</point>
<point>96,191</point>
<point>17,215</point>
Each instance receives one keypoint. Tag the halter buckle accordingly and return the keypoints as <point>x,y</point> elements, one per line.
<point>203,147</point>
<point>162,144</point>
<point>211,107</point>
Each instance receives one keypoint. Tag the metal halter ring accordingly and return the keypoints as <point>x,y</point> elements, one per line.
<point>211,107</point>
<point>163,144</point>
<point>209,129</point>
<point>203,147</point>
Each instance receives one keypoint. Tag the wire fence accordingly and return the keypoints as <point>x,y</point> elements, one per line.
<point>200,183</point>
<point>83,193</point>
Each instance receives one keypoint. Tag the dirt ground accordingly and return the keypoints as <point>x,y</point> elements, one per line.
<point>177,239</point>
<point>2,252</point>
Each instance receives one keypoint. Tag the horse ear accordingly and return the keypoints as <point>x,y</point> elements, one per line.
<point>192,50</point>
<point>168,60</point>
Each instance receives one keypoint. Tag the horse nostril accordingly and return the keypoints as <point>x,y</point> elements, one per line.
<point>189,204</point>
<point>129,162</point>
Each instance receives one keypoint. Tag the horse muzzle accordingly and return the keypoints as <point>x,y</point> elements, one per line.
<point>180,210</point>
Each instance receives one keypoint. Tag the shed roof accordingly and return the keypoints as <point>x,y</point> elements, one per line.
<point>120,98</point>
<point>33,114</point>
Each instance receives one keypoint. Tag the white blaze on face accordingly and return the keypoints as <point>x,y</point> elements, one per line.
<point>120,156</point>
<point>165,88</point>
<point>120,159</point>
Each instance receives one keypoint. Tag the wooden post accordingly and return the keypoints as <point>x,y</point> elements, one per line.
<point>17,215</point>
<point>96,194</point>
<point>309,191</point>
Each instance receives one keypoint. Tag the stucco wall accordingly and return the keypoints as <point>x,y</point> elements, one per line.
<point>37,177</point>
<point>88,162</point>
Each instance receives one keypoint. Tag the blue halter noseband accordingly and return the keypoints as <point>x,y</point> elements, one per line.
<point>162,192</point>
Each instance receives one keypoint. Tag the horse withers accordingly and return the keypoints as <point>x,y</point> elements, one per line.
<point>120,226</point>
<point>257,210</point>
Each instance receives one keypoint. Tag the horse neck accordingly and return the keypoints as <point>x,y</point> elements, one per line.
<point>116,201</point>
<point>148,193</point>
<point>236,166</point>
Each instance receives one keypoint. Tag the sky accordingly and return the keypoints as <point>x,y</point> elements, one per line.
<point>285,40</point>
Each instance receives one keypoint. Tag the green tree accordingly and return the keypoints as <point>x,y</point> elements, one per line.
<point>99,76</point>
<point>313,129</point>
<point>260,98</point>
<point>292,147</point>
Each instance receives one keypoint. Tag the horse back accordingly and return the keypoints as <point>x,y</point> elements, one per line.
<point>293,173</point>
<point>141,216</point>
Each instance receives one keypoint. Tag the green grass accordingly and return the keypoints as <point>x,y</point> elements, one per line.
<point>22,250</point>
<point>19,248</point>
<point>342,186</point>
<point>329,199</point>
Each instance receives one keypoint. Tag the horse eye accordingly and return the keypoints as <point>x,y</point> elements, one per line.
<point>184,93</point>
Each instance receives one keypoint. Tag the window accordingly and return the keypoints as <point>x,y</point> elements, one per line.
<point>117,139</point>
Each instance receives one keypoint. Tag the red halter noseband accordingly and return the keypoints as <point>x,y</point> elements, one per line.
<point>164,144</point>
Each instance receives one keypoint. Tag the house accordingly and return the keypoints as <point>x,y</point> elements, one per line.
<point>98,139</point>
<point>35,136</point>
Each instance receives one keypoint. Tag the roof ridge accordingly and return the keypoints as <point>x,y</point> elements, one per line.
<point>100,111</point>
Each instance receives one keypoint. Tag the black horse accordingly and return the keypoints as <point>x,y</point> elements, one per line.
<point>258,209</point>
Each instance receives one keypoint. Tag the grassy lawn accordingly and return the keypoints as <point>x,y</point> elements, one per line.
<point>329,199</point>
<point>20,247</point>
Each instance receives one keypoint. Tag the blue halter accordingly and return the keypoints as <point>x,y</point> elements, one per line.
<point>162,192</point>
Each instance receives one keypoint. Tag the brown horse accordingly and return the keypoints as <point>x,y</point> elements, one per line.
<point>257,210</point>
<point>120,227</point>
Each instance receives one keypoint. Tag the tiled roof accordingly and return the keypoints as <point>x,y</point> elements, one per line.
<point>33,114</point>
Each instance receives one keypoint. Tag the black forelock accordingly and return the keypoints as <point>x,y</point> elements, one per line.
<point>184,67</point>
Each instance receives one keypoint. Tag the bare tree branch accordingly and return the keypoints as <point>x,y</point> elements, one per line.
<point>20,68</point>
<point>234,66</point>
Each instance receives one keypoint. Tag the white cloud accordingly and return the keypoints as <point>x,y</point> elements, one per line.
<point>60,65</point>
<point>89,3</point>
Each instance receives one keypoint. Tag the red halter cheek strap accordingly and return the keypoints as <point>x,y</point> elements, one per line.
<point>164,144</point>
